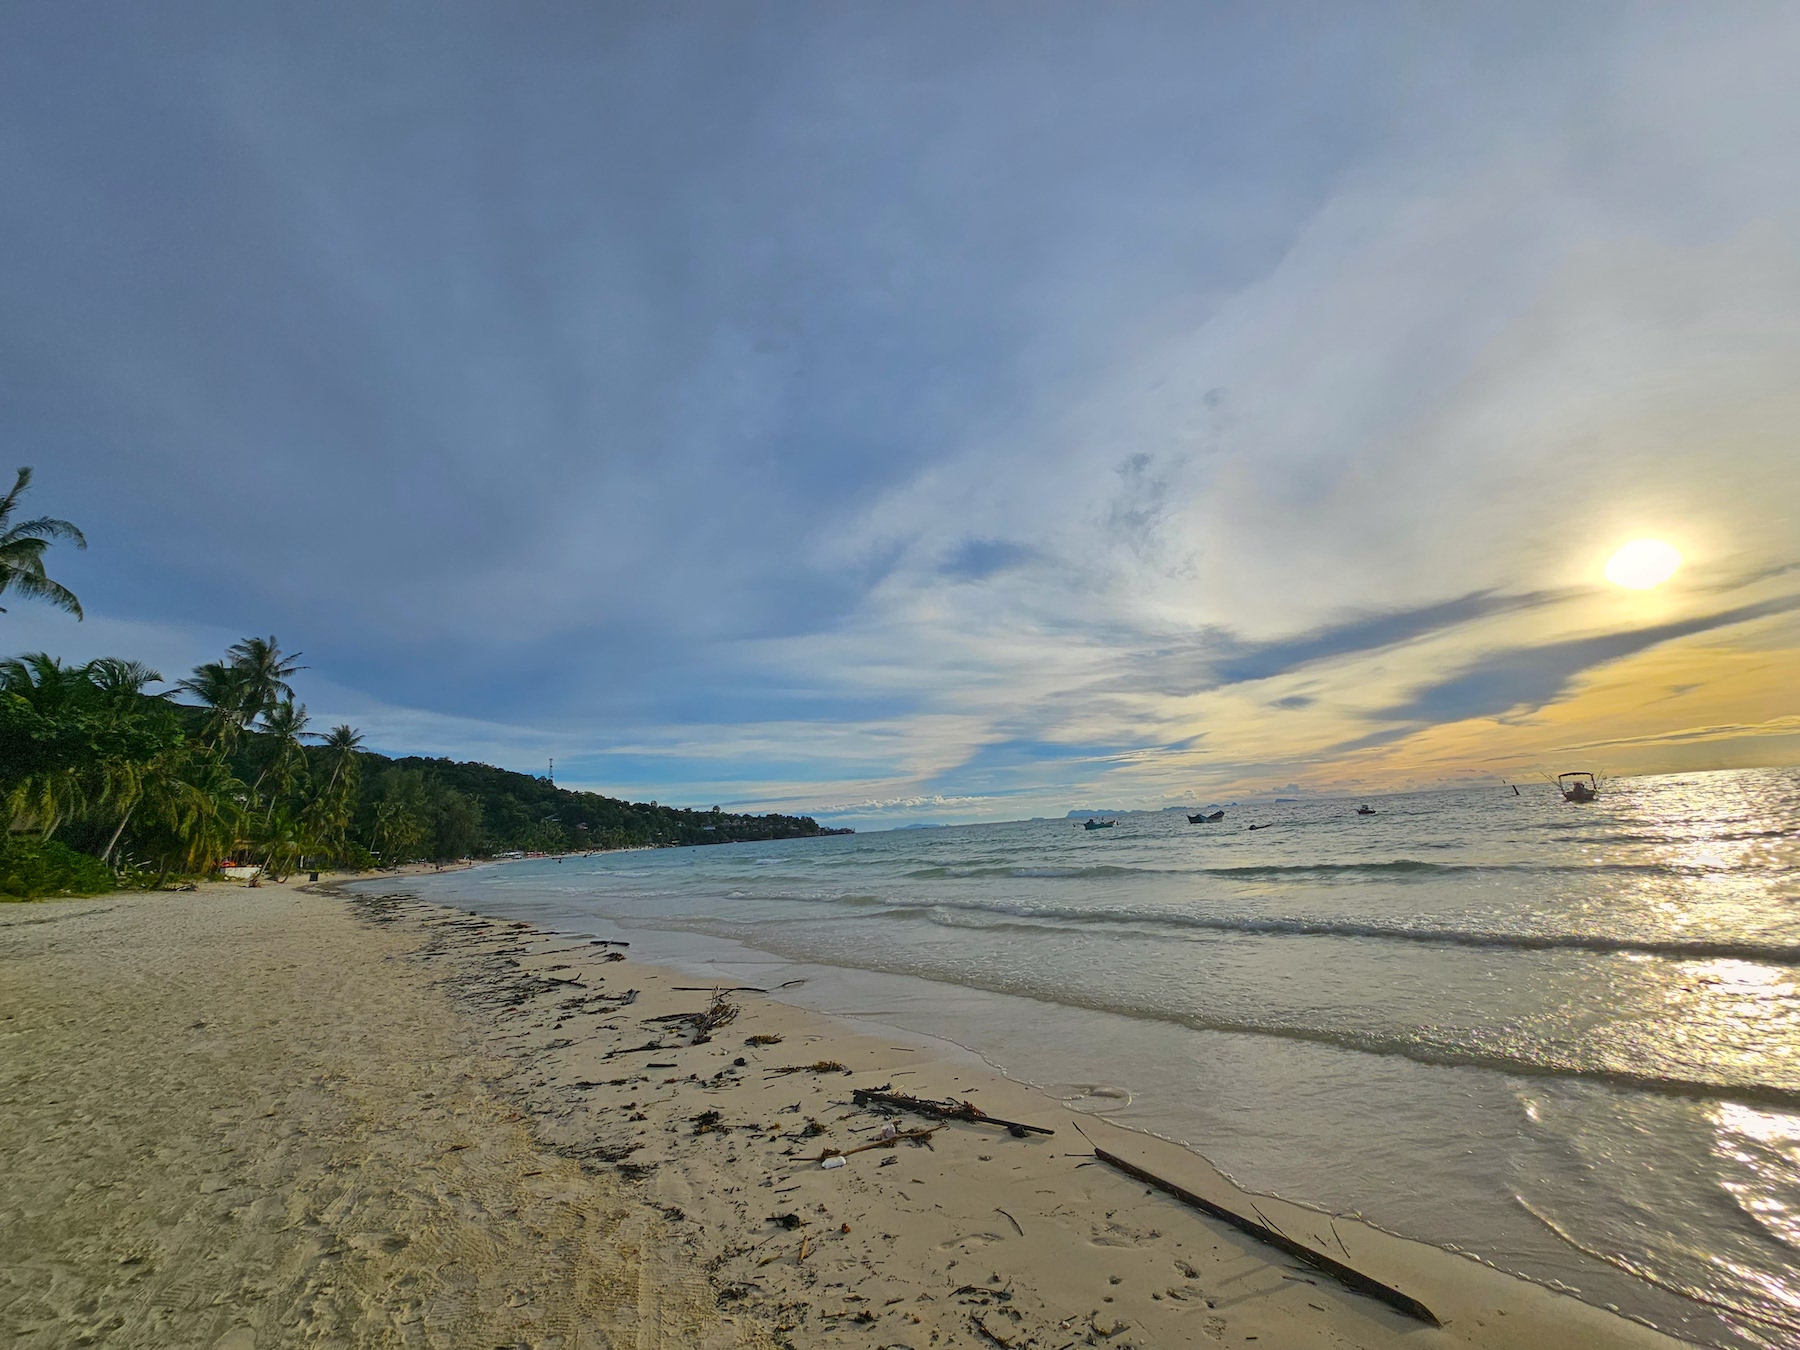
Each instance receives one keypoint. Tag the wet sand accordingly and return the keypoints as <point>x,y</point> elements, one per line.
<point>255,1117</point>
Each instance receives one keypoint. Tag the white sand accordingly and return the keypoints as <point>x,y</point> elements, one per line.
<point>257,1117</point>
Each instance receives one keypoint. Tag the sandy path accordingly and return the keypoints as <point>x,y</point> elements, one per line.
<point>242,1118</point>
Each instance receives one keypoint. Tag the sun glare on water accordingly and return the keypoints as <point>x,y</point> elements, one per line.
<point>1643,563</point>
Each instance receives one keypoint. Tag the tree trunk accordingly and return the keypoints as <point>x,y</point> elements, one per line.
<point>113,843</point>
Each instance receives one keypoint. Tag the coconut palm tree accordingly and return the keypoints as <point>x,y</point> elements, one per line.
<point>44,681</point>
<point>54,788</point>
<point>199,815</point>
<point>283,840</point>
<point>340,748</point>
<point>264,669</point>
<point>92,742</point>
<point>285,726</point>
<point>221,690</point>
<point>22,551</point>
<point>122,679</point>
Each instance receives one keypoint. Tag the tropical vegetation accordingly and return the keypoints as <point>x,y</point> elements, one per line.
<point>22,547</point>
<point>107,780</point>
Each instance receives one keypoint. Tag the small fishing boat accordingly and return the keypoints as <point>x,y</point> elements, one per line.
<point>1365,810</point>
<point>1099,824</point>
<point>1578,787</point>
<point>1204,819</point>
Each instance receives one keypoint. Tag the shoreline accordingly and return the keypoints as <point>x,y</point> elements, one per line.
<point>976,1238</point>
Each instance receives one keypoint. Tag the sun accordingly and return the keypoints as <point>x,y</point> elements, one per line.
<point>1643,563</point>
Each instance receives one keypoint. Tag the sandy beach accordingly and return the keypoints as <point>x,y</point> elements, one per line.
<point>254,1117</point>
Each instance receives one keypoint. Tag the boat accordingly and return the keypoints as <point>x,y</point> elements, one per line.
<point>1365,810</point>
<point>1099,824</point>
<point>1204,819</point>
<point>1578,787</point>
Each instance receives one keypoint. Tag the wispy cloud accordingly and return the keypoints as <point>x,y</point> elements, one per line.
<point>1730,731</point>
<point>1529,677</point>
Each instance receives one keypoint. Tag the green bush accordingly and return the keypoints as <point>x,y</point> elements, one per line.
<point>30,868</point>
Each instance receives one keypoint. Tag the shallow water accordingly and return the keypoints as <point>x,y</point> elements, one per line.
<point>1563,1039</point>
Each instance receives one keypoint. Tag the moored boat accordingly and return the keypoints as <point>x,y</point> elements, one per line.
<point>1578,787</point>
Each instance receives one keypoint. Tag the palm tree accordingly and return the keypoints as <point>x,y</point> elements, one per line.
<point>200,813</point>
<point>221,691</point>
<point>121,678</point>
<point>341,747</point>
<point>22,551</point>
<point>98,742</point>
<point>283,840</point>
<point>285,726</point>
<point>264,669</point>
<point>43,681</point>
<point>57,788</point>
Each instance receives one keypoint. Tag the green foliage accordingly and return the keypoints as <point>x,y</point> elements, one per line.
<point>92,761</point>
<point>22,546</point>
<point>522,812</point>
<point>33,868</point>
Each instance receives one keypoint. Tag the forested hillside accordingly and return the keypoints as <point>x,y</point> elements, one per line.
<point>519,811</point>
<point>102,775</point>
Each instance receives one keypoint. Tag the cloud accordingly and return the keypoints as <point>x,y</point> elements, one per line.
<point>892,403</point>
<point>1246,661</point>
<point>979,559</point>
<point>1530,677</point>
<point>1774,726</point>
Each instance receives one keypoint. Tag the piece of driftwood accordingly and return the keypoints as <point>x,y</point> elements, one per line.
<point>946,1110</point>
<point>719,1012</point>
<point>639,1049</point>
<point>889,1142</point>
<point>717,989</point>
<point>1347,1276</point>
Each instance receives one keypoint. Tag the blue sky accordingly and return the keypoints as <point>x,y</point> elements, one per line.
<point>941,412</point>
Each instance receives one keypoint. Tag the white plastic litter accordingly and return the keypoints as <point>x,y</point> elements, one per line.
<point>830,1163</point>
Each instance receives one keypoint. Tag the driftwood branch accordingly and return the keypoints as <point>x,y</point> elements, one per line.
<point>912,1136</point>
<point>1345,1275</point>
<point>717,989</point>
<point>719,1012</point>
<point>946,1110</point>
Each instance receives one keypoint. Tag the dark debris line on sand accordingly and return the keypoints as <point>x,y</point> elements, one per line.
<point>490,978</point>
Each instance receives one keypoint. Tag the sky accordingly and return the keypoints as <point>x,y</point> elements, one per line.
<point>926,412</point>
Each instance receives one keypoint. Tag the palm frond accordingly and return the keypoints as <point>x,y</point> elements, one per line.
<point>11,499</point>
<point>44,528</point>
<point>39,587</point>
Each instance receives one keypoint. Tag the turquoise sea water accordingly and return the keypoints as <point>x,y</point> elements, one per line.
<point>1563,1039</point>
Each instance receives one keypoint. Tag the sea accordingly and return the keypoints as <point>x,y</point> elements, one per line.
<point>1560,1039</point>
